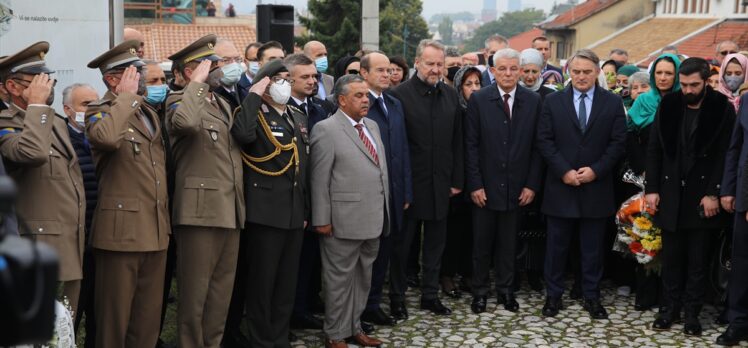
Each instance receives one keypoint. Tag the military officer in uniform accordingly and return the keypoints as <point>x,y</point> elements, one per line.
<point>275,148</point>
<point>39,157</point>
<point>208,199</point>
<point>130,229</point>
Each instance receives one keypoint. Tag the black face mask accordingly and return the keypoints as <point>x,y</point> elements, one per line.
<point>451,72</point>
<point>693,99</point>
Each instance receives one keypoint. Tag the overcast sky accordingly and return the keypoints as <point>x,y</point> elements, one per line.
<point>430,7</point>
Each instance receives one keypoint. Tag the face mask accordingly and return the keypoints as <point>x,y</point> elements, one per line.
<point>231,74</point>
<point>693,99</point>
<point>280,92</point>
<point>451,72</point>
<point>80,118</point>
<point>733,82</point>
<point>321,64</point>
<point>214,78</point>
<point>254,67</point>
<point>156,94</point>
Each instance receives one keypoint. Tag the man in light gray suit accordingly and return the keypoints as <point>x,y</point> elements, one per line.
<point>349,208</point>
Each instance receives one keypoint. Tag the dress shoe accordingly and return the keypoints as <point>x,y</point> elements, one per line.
<point>378,317</point>
<point>732,336</point>
<point>479,304</point>
<point>435,306</point>
<point>692,327</point>
<point>331,343</point>
<point>721,319</point>
<point>642,307</point>
<point>552,306</point>
<point>398,310</point>
<point>367,328</point>
<point>362,340</point>
<point>509,302</point>
<point>449,287</point>
<point>306,321</point>
<point>413,281</point>
<point>662,323</point>
<point>595,309</point>
<point>234,339</point>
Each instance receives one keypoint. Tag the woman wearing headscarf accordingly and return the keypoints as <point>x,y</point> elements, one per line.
<point>622,83</point>
<point>609,70</point>
<point>347,65</point>
<point>732,74</point>
<point>663,79</point>
<point>530,67</point>
<point>552,79</point>
<point>457,257</point>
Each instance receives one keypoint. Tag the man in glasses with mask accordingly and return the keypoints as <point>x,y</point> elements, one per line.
<point>38,155</point>
<point>208,200</point>
<point>131,227</point>
<point>233,68</point>
<point>275,147</point>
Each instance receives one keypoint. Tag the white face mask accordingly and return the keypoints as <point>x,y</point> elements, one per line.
<point>80,118</point>
<point>280,92</point>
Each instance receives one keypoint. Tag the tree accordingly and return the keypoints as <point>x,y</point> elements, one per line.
<point>394,19</point>
<point>510,24</point>
<point>336,23</point>
<point>464,16</point>
<point>445,30</point>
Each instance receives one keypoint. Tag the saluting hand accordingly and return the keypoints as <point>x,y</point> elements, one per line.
<point>259,87</point>
<point>129,81</point>
<point>39,89</point>
<point>200,74</point>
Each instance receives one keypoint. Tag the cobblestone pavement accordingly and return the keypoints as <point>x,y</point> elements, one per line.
<point>497,327</point>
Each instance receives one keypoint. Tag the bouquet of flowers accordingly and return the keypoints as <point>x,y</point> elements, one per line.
<point>637,234</point>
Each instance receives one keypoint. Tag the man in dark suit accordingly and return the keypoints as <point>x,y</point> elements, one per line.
<point>492,45</point>
<point>387,112</point>
<point>253,66</point>
<point>685,163</point>
<point>503,174</point>
<point>276,190</point>
<point>232,71</point>
<point>302,72</point>
<point>542,44</point>
<point>581,135</point>
<point>434,128</point>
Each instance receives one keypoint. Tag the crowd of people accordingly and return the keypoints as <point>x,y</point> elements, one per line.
<point>276,193</point>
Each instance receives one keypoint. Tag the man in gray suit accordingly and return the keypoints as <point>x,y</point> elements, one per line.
<point>349,208</point>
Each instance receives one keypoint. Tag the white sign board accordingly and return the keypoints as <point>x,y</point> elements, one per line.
<point>77,31</point>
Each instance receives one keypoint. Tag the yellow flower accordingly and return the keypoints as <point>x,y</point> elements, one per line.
<point>642,223</point>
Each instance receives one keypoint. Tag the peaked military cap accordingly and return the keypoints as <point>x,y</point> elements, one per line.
<point>29,60</point>
<point>270,69</point>
<point>121,56</point>
<point>198,51</point>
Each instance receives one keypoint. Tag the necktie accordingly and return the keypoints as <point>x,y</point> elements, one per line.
<point>582,112</point>
<point>367,143</point>
<point>507,111</point>
<point>303,108</point>
<point>380,100</point>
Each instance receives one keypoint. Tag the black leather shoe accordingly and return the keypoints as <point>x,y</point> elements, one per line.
<point>509,302</point>
<point>732,336</point>
<point>398,310</point>
<point>479,304</point>
<point>367,328</point>
<point>692,327</point>
<point>305,321</point>
<point>435,306</point>
<point>552,306</point>
<point>663,323</point>
<point>595,309</point>
<point>378,317</point>
<point>234,339</point>
<point>642,307</point>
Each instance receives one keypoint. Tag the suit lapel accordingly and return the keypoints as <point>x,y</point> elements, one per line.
<point>353,134</point>
<point>570,109</point>
<point>597,106</point>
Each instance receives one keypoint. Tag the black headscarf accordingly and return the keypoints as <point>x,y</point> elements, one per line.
<point>343,63</point>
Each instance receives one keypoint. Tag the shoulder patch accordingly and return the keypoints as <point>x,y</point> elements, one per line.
<point>175,105</point>
<point>9,130</point>
<point>97,116</point>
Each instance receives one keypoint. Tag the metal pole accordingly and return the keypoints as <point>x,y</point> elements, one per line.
<point>370,25</point>
<point>116,21</point>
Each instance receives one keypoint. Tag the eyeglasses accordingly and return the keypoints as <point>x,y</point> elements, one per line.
<point>28,82</point>
<point>724,53</point>
<point>229,60</point>
<point>277,79</point>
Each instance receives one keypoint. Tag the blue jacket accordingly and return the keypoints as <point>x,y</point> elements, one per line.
<point>500,154</point>
<point>564,147</point>
<point>392,131</point>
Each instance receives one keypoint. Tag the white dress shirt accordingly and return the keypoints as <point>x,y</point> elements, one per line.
<point>587,101</point>
<point>511,97</point>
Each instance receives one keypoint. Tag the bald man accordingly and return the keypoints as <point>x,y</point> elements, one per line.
<point>132,34</point>
<point>318,53</point>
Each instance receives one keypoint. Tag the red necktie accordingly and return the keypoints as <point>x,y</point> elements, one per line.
<point>506,105</point>
<point>367,143</point>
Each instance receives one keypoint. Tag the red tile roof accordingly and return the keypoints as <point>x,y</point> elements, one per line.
<point>162,40</point>
<point>578,13</point>
<point>704,44</point>
<point>522,41</point>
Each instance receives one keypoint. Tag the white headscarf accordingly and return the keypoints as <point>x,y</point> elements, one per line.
<point>531,56</point>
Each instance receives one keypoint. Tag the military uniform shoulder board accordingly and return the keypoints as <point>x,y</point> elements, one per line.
<point>295,109</point>
<point>7,113</point>
<point>99,102</point>
<point>264,108</point>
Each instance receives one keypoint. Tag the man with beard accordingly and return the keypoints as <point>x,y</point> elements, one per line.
<point>36,148</point>
<point>685,163</point>
<point>131,226</point>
